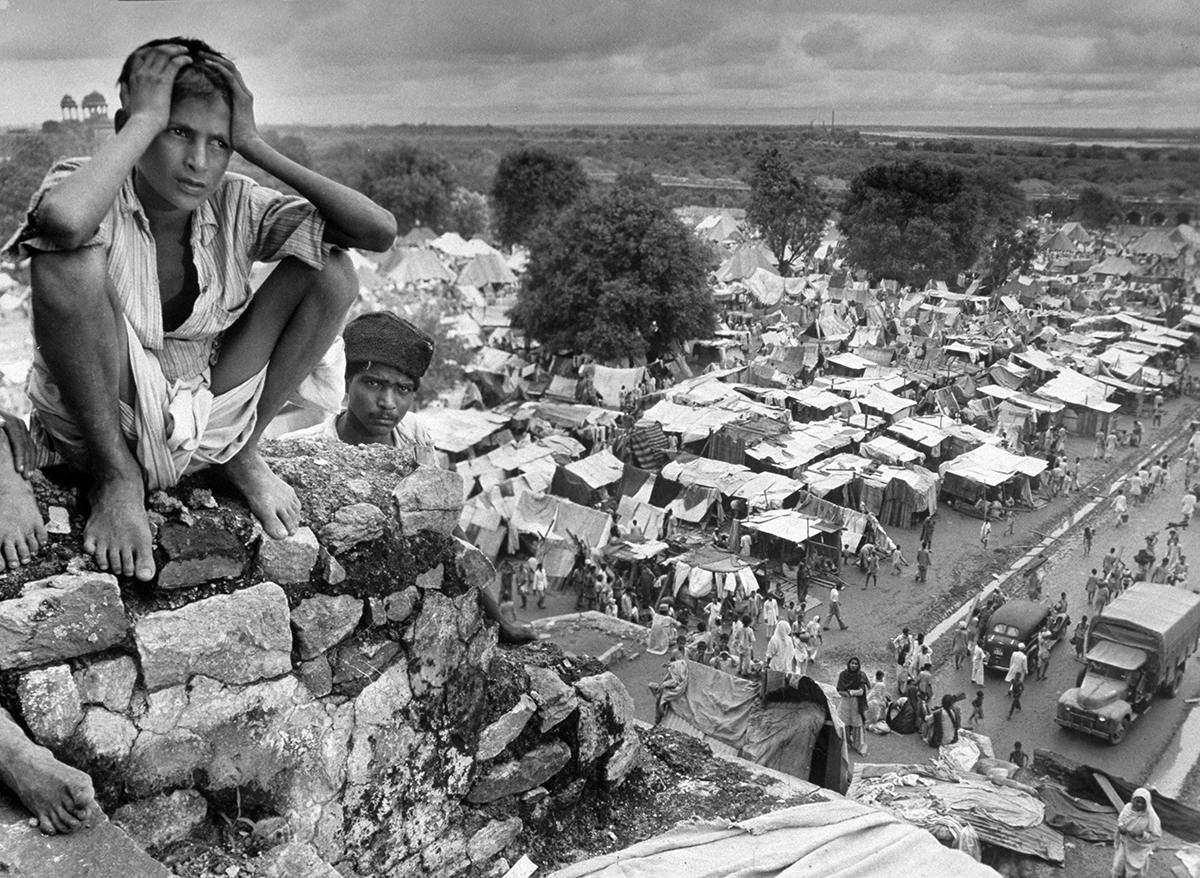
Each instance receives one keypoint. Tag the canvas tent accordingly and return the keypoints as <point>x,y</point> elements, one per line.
<point>991,472</point>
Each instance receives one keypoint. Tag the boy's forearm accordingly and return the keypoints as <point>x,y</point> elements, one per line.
<point>351,218</point>
<point>71,212</point>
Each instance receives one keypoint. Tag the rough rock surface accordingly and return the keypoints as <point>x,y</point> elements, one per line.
<point>504,731</point>
<point>429,499</point>
<point>351,525</point>
<point>288,561</point>
<point>163,820</point>
<point>555,699</point>
<point>295,860</point>
<point>234,638</point>
<point>50,703</point>
<point>531,770</point>
<point>367,736</point>
<point>62,617</point>
<point>109,682</point>
<point>493,838</point>
<point>198,553</point>
<point>323,621</point>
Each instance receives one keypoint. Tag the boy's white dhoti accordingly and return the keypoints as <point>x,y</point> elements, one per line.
<point>176,427</point>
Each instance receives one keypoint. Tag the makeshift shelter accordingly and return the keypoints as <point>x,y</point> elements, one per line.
<point>702,571</point>
<point>457,431</point>
<point>743,262</point>
<point>586,479</point>
<point>838,837</point>
<point>1088,409</point>
<point>486,270</point>
<point>992,473</point>
<point>783,533</point>
<point>794,728</point>
<point>419,266</point>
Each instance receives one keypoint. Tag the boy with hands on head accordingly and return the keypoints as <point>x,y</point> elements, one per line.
<point>155,358</point>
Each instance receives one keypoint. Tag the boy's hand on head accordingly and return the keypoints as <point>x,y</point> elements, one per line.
<point>242,127</point>
<point>151,80</point>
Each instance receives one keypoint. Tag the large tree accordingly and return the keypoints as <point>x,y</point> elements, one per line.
<point>414,184</point>
<point>530,187</point>
<point>788,211</point>
<point>617,276</point>
<point>915,221</point>
<point>1012,250</point>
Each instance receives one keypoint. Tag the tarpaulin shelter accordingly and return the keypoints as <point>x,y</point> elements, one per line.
<point>990,471</point>
<point>789,452</point>
<point>810,403</point>
<point>787,531</point>
<point>838,838</point>
<point>610,383</point>
<point>586,480</point>
<point>701,571</point>
<point>456,431</point>
<point>1088,408</point>
<point>795,729</point>
<point>743,262</point>
<point>648,445</point>
<point>890,451</point>
<point>636,515</point>
<point>419,266</point>
<point>482,271</point>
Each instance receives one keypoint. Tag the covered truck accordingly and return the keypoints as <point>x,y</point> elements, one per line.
<point>1136,648</point>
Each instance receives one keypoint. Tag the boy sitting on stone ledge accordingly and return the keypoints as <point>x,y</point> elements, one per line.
<point>154,356</point>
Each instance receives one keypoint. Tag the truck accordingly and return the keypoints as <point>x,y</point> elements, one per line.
<point>1137,648</point>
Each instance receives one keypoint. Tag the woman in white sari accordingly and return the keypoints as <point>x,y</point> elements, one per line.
<point>780,653</point>
<point>1138,830</point>
<point>662,633</point>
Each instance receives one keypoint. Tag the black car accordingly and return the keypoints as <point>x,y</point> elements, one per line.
<point>1017,621</point>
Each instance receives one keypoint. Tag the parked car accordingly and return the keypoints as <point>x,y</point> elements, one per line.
<point>1018,621</point>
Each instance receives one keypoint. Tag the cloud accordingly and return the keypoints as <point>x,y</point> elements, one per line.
<point>968,61</point>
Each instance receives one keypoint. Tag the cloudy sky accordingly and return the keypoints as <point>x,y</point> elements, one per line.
<point>946,62</point>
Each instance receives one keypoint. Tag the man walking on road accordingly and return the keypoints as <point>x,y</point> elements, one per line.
<point>985,532</point>
<point>924,561</point>
<point>871,564</point>
<point>835,608</point>
<point>927,530</point>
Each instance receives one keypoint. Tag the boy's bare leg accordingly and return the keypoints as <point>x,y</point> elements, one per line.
<point>22,532</point>
<point>82,339</point>
<point>60,798</point>
<point>294,318</point>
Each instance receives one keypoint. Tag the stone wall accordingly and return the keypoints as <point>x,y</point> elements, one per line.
<point>340,690</point>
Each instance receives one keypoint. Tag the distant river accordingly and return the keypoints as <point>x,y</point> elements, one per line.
<point>942,134</point>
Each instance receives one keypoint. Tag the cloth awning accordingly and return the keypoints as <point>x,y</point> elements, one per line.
<point>789,525</point>
<point>599,470</point>
<point>992,466</point>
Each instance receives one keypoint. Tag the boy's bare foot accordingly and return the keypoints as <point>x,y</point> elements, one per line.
<point>117,533</point>
<point>60,798</point>
<point>271,499</point>
<point>22,532</point>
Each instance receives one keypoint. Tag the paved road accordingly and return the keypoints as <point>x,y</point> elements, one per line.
<point>1152,736</point>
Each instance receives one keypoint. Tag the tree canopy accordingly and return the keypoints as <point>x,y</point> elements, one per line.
<point>915,221</point>
<point>1011,250</point>
<point>531,186</point>
<point>788,211</point>
<point>617,275</point>
<point>415,185</point>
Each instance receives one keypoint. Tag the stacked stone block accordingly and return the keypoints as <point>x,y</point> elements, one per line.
<point>341,687</point>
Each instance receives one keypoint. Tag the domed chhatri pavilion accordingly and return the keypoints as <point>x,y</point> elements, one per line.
<point>93,109</point>
<point>70,109</point>
<point>94,106</point>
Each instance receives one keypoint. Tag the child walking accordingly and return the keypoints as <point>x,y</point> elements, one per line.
<point>976,710</point>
